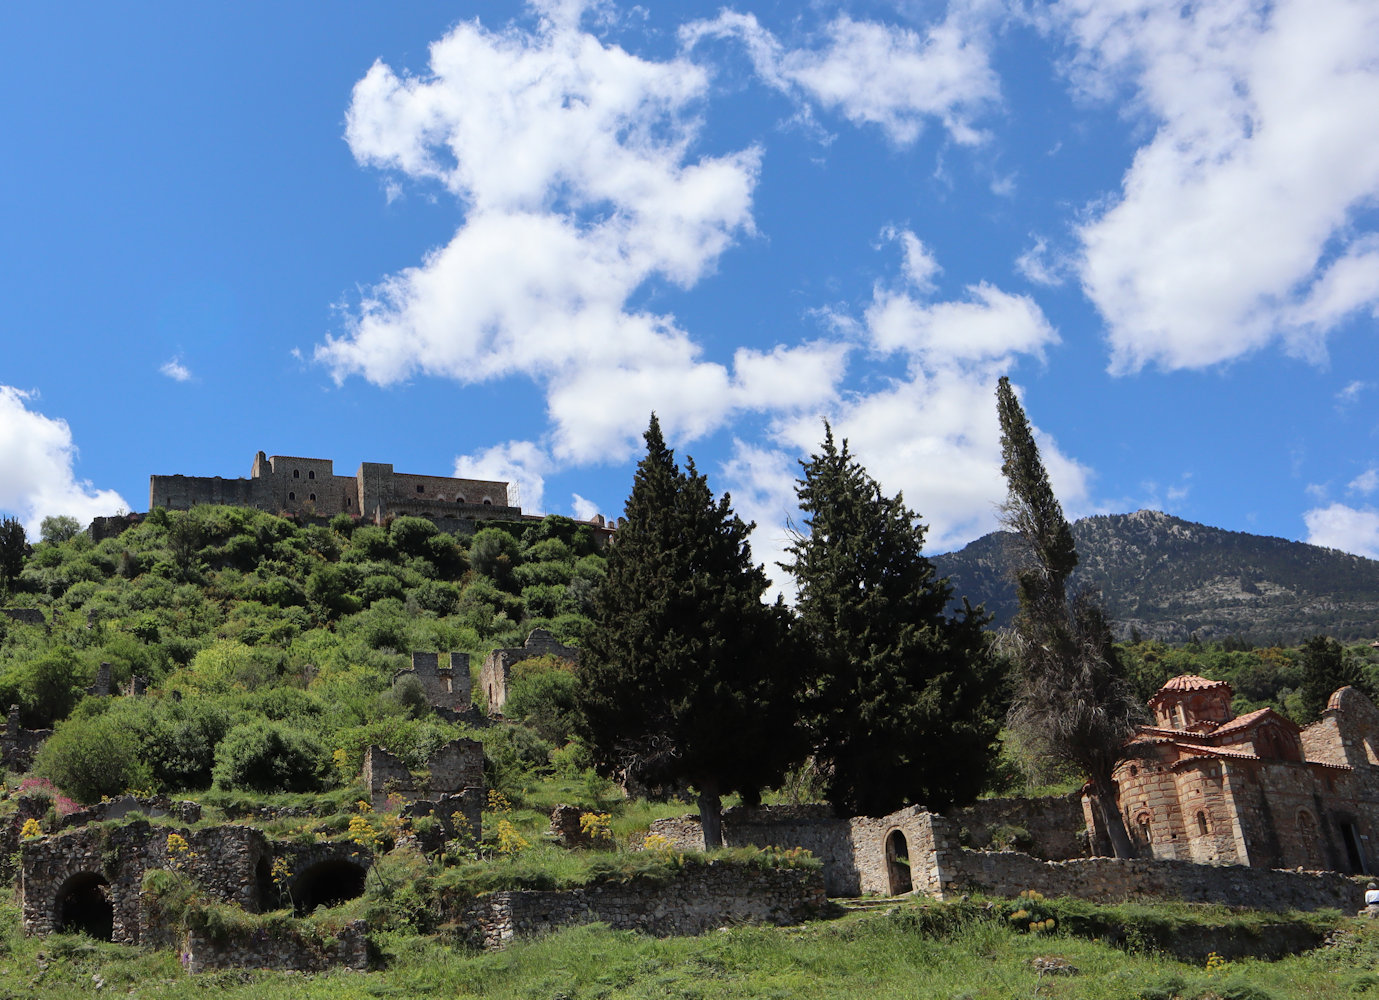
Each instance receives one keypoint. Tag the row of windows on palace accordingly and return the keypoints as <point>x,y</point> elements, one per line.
<point>311,474</point>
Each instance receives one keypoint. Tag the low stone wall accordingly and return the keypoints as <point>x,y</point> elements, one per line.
<point>1112,880</point>
<point>278,948</point>
<point>1053,826</point>
<point>152,806</point>
<point>700,898</point>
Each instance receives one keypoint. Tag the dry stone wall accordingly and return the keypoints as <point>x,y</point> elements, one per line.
<point>285,947</point>
<point>699,898</point>
<point>1048,827</point>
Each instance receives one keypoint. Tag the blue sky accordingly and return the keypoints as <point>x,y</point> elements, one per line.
<point>490,238</point>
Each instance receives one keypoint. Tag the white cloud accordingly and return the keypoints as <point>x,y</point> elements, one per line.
<point>174,369</point>
<point>1351,392</point>
<point>36,467</point>
<point>1365,482</point>
<point>573,160</point>
<point>1237,224</point>
<point>932,434</point>
<point>584,509</point>
<point>1036,266</point>
<point>521,464</point>
<point>1350,529</point>
<point>877,74</point>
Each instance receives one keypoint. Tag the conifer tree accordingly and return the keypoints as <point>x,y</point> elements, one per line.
<point>905,698</point>
<point>14,548</point>
<point>1072,699</point>
<point>684,677</point>
<point>1326,667</point>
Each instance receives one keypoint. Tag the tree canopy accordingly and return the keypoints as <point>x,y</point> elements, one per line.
<point>905,698</point>
<point>683,678</point>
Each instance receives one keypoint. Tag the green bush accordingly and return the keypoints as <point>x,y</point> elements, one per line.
<point>93,757</point>
<point>545,700</point>
<point>270,757</point>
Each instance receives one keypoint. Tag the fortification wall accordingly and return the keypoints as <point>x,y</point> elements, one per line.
<point>699,898</point>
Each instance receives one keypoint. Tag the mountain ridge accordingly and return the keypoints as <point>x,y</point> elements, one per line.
<point>1167,578</point>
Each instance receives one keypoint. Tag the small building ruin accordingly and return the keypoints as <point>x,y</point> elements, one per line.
<point>496,673</point>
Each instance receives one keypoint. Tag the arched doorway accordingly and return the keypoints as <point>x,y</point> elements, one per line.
<point>898,863</point>
<point>327,883</point>
<point>83,907</point>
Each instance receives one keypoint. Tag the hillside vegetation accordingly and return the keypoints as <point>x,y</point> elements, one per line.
<point>1165,578</point>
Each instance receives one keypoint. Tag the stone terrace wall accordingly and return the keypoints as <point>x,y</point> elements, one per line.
<point>1055,824</point>
<point>280,948</point>
<point>1111,880</point>
<point>701,898</point>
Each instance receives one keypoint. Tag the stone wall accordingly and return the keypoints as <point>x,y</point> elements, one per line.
<point>447,688</point>
<point>1054,824</point>
<point>699,898</point>
<point>18,745</point>
<point>453,784</point>
<point>1112,880</point>
<point>26,616</point>
<point>496,672</point>
<point>286,947</point>
<point>859,855</point>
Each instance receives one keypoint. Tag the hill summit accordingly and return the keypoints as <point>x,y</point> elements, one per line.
<point>1167,578</point>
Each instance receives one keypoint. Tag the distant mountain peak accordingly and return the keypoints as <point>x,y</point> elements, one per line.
<point>1169,578</point>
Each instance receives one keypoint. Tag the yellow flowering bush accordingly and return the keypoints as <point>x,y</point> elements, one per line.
<point>30,829</point>
<point>509,840</point>
<point>596,826</point>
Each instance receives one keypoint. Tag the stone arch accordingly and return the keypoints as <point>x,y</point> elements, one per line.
<point>83,905</point>
<point>327,883</point>
<point>898,863</point>
<point>1144,826</point>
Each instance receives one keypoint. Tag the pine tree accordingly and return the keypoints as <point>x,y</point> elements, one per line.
<point>1072,701</point>
<point>684,675</point>
<point>905,699</point>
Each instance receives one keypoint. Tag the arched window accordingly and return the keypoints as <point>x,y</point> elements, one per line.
<point>1202,826</point>
<point>311,473</point>
<point>488,502</point>
<point>291,495</point>
<point>1144,824</point>
<point>296,473</point>
<point>459,499</point>
<point>313,497</point>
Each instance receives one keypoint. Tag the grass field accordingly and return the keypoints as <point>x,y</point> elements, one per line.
<point>908,950</point>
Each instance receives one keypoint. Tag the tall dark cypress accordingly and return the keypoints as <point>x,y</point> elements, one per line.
<point>1072,700</point>
<point>905,698</point>
<point>685,677</point>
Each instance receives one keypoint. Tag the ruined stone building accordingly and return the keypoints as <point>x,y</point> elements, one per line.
<point>283,483</point>
<point>1203,785</point>
<point>496,673</point>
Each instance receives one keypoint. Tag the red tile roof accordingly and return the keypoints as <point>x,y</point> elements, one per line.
<point>1246,721</point>
<point>1191,682</point>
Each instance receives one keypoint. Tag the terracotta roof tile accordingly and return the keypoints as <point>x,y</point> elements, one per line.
<point>1246,721</point>
<point>1192,682</point>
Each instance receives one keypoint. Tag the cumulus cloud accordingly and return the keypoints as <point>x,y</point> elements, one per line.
<point>1365,482</point>
<point>932,433</point>
<point>174,369</point>
<point>1350,529</point>
<point>584,509</point>
<point>877,74</point>
<point>573,160</point>
<point>1037,266</point>
<point>523,465</point>
<point>37,479</point>
<point>1238,223</point>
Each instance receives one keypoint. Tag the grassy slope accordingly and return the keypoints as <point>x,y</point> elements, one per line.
<point>872,956</point>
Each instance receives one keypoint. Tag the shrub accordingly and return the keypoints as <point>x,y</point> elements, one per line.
<point>93,757</point>
<point>494,553</point>
<point>546,701</point>
<point>270,757</point>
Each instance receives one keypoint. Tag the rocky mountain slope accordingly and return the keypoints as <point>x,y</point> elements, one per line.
<point>1168,578</point>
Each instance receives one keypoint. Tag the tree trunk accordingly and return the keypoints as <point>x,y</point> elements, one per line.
<point>1104,792</point>
<point>711,814</point>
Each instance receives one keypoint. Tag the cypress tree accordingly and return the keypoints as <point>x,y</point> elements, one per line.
<point>683,677</point>
<point>14,548</point>
<point>905,698</point>
<point>1072,701</point>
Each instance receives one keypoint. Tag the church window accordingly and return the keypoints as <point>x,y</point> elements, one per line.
<point>311,473</point>
<point>291,495</point>
<point>296,473</point>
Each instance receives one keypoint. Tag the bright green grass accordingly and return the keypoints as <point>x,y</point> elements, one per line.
<point>863,956</point>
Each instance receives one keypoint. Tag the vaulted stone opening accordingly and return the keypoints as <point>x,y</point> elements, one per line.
<point>327,883</point>
<point>83,906</point>
<point>898,863</point>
